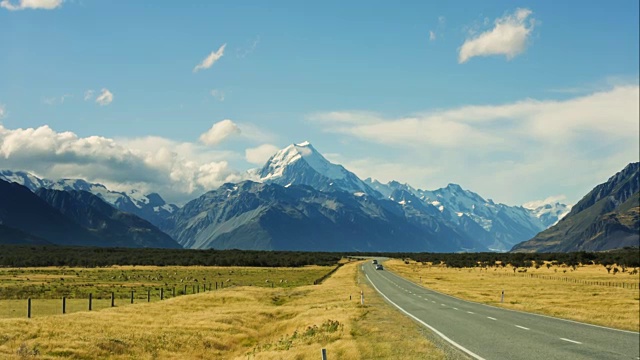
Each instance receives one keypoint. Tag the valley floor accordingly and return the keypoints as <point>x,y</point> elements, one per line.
<point>558,291</point>
<point>232,323</point>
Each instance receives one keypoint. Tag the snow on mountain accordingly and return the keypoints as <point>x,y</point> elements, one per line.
<point>150,207</point>
<point>302,164</point>
<point>549,213</point>
<point>500,225</point>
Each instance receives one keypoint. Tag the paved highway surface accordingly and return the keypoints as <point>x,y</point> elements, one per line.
<point>487,332</point>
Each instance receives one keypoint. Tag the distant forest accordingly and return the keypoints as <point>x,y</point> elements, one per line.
<point>36,256</point>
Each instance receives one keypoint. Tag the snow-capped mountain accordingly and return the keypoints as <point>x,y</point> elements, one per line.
<point>264,216</point>
<point>150,207</point>
<point>302,164</point>
<point>549,213</point>
<point>499,226</point>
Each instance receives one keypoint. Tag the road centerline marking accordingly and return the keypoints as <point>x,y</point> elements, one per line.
<point>469,352</point>
<point>492,318</point>
<point>571,341</point>
<point>470,312</point>
<point>522,327</point>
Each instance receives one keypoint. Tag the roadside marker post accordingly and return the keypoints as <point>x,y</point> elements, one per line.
<point>361,297</point>
<point>502,297</point>
<point>323,352</point>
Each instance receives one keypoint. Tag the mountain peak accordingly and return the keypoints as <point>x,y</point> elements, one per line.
<point>302,164</point>
<point>275,167</point>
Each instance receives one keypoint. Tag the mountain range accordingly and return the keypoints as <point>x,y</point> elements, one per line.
<point>150,207</point>
<point>608,217</point>
<point>76,218</point>
<point>301,201</point>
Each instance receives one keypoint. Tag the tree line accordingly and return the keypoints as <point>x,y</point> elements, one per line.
<point>38,256</point>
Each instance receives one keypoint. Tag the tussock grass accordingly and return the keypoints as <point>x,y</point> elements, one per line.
<point>233,323</point>
<point>46,286</point>
<point>596,304</point>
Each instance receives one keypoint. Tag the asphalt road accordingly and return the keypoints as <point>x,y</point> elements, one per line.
<point>487,332</point>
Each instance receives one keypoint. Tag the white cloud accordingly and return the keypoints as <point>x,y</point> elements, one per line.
<point>178,171</point>
<point>88,95</point>
<point>508,37</point>
<point>432,36</point>
<point>217,94</point>
<point>56,100</point>
<point>211,59</point>
<point>105,97</point>
<point>3,111</point>
<point>219,132</point>
<point>31,4</point>
<point>512,152</point>
<point>259,155</point>
<point>244,52</point>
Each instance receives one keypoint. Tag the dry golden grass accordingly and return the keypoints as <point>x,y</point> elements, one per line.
<point>596,304</point>
<point>234,323</point>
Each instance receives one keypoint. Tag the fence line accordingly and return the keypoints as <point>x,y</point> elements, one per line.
<point>624,285</point>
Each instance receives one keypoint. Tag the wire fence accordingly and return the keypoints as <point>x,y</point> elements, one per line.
<point>619,284</point>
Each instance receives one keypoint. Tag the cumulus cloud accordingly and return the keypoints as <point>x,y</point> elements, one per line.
<point>508,37</point>
<point>105,97</point>
<point>510,151</point>
<point>3,111</point>
<point>259,155</point>
<point>31,4</point>
<point>178,171</point>
<point>432,36</point>
<point>219,132</point>
<point>211,59</point>
<point>217,94</point>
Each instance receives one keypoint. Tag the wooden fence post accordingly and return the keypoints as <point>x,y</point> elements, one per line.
<point>64,304</point>
<point>90,301</point>
<point>198,288</point>
<point>29,308</point>
<point>216,285</point>
<point>185,289</point>
<point>323,353</point>
<point>132,296</point>
<point>113,304</point>
<point>148,295</point>
<point>161,293</point>
<point>193,289</point>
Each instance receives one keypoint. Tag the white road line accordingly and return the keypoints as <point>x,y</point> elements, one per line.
<point>467,351</point>
<point>455,308</point>
<point>470,312</point>
<point>443,304</point>
<point>517,311</point>
<point>489,317</point>
<point>433,301</point>
<point>571,341</point>
<point>522,327</point>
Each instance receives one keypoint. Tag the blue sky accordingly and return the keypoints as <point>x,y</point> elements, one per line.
<point>517,101</point>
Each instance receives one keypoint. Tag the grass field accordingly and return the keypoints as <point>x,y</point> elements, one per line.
<point>616,307</point>
<point>242,322</point>
<point>47,286</point>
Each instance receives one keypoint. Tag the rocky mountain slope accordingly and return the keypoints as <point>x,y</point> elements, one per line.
<point>608,217</point>
<point>497,226</point>
<point>268,216</point>
<point>150,207</point>
<point>87,220</point>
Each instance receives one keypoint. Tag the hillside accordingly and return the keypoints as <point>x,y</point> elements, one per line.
<point>608,217</point>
